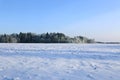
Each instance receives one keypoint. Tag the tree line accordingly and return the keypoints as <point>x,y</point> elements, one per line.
<point>42,38</point>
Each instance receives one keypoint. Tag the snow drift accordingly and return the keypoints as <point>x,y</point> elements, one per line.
<point>59,62</point>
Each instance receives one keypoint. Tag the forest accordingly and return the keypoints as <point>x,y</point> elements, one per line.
<point>42,38</point>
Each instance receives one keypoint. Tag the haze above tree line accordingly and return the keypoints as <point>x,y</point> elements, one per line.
<point>42,38</point>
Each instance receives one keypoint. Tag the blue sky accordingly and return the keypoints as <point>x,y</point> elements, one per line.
<point>98,19</point>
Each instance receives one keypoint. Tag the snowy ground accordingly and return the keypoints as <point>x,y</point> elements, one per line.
<point>59,62</point>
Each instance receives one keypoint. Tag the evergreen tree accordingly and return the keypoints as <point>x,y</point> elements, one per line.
<point>42,38</point>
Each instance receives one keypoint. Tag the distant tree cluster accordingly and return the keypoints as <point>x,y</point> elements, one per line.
<point>42,38</point>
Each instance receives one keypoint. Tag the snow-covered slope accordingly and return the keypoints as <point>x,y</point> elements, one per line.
<point>59,62</point>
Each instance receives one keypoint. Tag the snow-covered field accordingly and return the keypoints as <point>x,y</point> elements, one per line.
<point>59,62</point>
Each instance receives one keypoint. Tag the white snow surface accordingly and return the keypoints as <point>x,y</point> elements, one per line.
<point>59,62</point>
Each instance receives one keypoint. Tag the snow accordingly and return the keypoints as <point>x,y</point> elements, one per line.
<point>59,62</point>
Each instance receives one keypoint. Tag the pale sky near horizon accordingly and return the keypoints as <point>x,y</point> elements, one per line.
<point>98,19</point>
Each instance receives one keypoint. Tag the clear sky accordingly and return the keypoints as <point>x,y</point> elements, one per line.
<point>98,19</point>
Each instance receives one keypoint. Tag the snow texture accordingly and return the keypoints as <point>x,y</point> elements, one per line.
<point>59,62</point>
